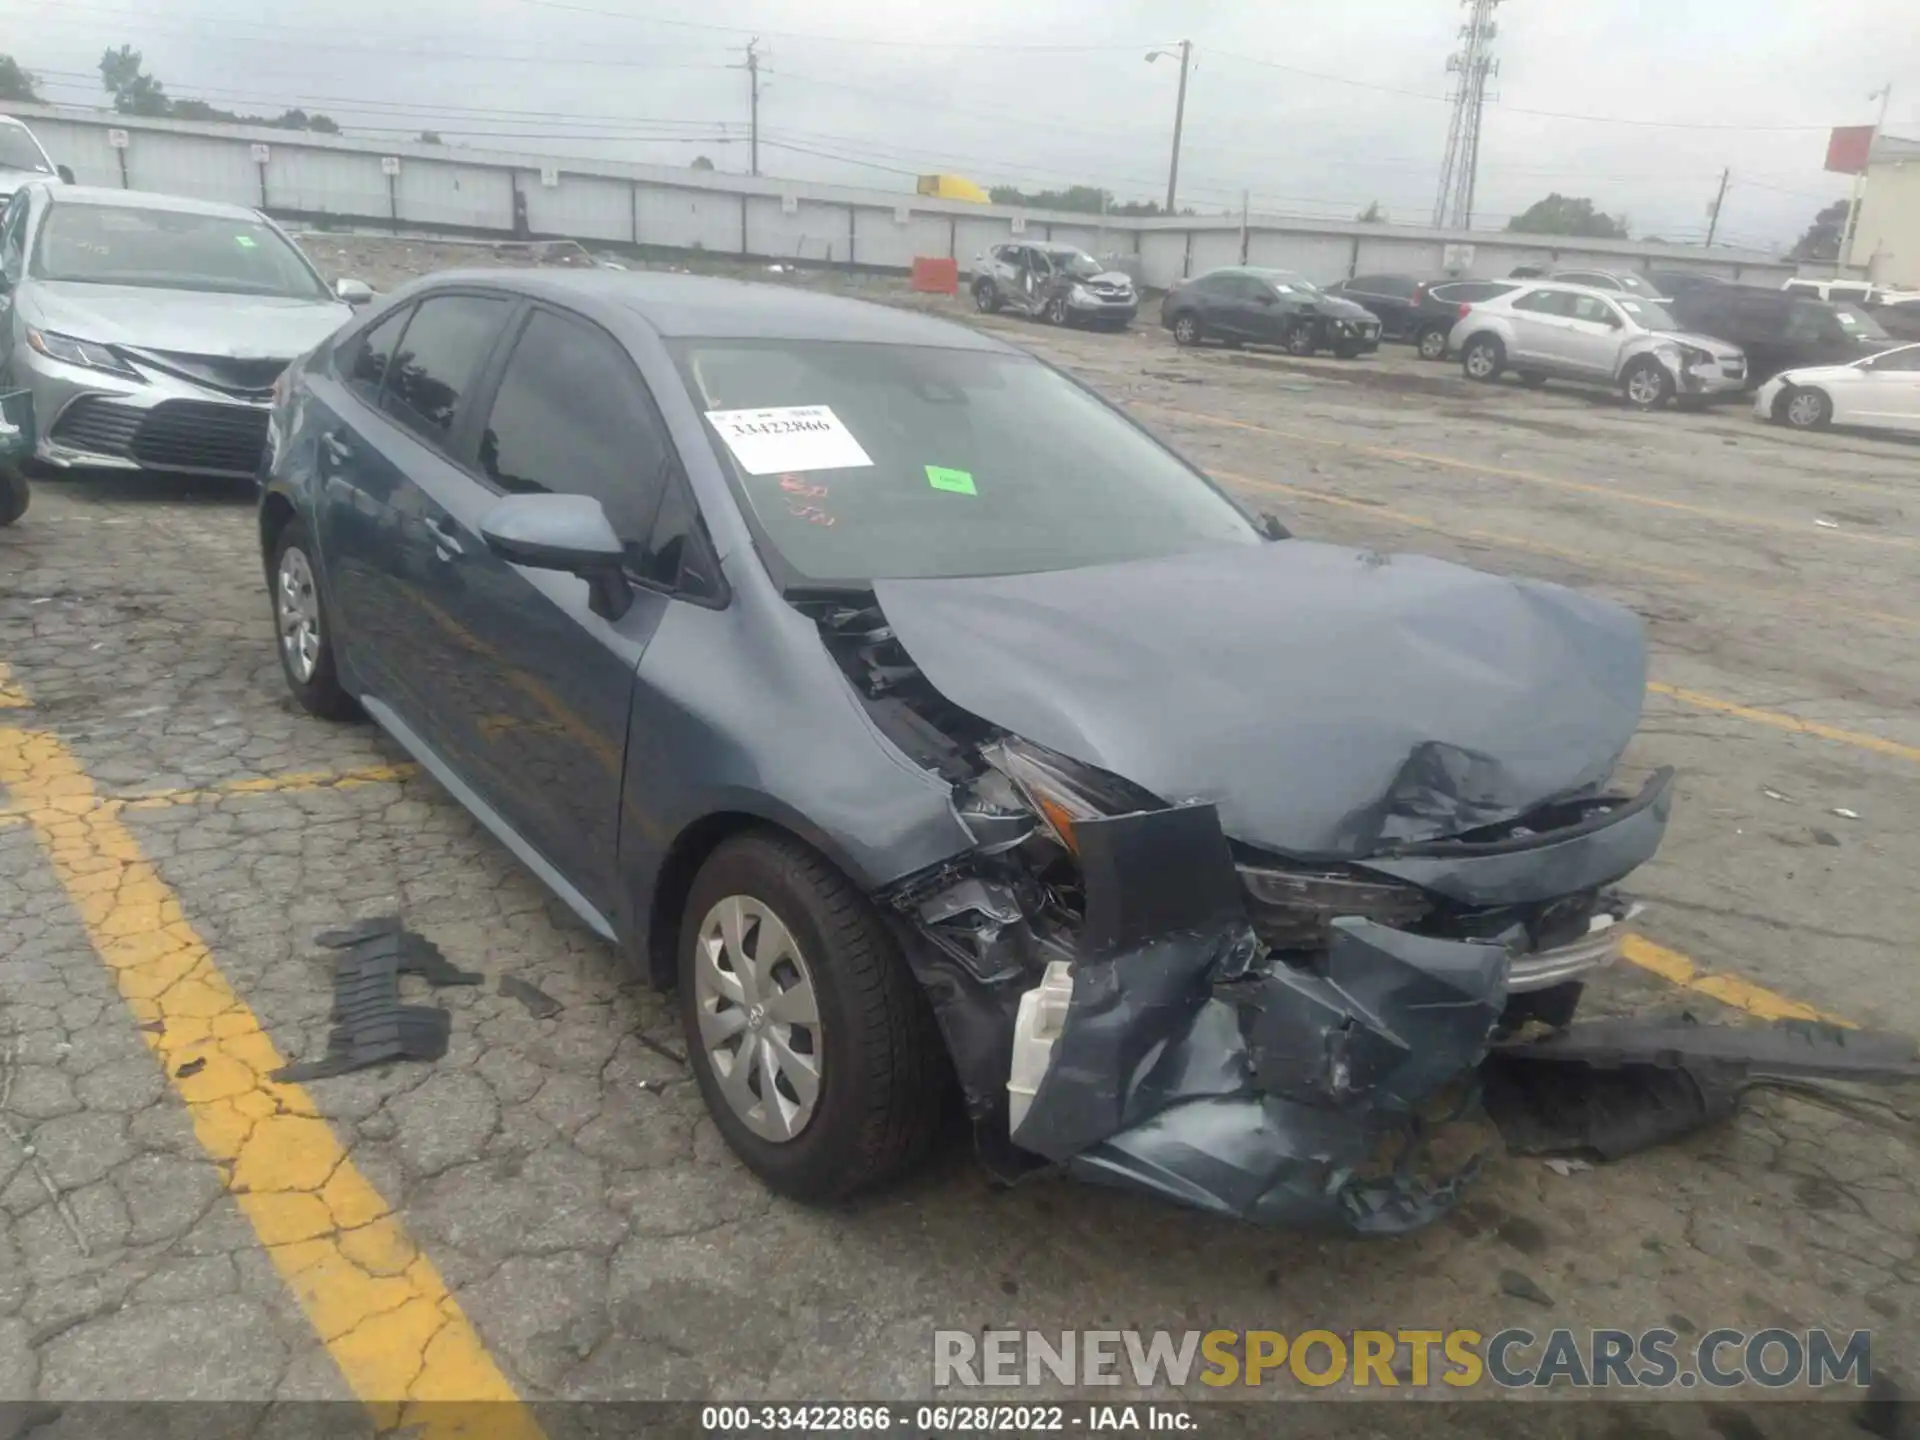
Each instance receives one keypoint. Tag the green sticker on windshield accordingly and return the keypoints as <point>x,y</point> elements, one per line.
<point>957,481</point>
<point>245,242</point>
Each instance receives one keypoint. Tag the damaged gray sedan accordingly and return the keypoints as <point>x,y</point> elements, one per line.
<point>916,715</point>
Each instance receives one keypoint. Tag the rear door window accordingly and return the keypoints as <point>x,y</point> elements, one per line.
<point>1390,287</point>
<point>573,417</point>
<point>1545,302</point>
<point>437,359</point>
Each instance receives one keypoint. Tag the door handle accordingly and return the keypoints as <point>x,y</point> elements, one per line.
<point>336,449</point>
<point>446,541</point>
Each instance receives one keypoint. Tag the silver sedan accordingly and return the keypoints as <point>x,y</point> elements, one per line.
<point>150,329</point>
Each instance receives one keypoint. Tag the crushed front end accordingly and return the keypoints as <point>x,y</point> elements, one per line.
<point>1133,994</point>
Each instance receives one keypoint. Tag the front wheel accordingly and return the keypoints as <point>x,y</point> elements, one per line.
<point>1187,329</point>
<point>812,1043</point>
<point>1483,359</point>
<point>1300,340</point>
<point>986,297</point>
<point>1647,385</point>
<point>1057,313</point>
<point>1433,344</point>
<point>304,628</point>
<point>1806,410</point>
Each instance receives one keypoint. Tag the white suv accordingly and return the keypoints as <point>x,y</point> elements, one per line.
<point>1549,331</point>
<point>22,159</point>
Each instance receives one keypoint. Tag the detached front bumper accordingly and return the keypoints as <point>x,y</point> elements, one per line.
<point>1173,1052</point>
<point>1767,396</point>
<point>92,419</point>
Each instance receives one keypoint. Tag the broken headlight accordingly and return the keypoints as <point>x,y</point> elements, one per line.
<point>1294,909</point>
<point>1060,791</point>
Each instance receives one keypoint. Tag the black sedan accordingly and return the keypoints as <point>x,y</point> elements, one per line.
<point>920,718</point>
<point>1241,305</point>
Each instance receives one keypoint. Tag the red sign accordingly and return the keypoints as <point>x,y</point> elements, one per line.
<point>1847,148</point>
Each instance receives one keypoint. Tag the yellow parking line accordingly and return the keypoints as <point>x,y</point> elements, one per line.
<point>378,1304</point>
<point>1790,723</point>
<point>1757,1000</point>
<point>1577,487</point>
<point>293,783</point>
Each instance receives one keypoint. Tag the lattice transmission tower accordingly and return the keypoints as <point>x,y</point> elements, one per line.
<point>1474,64</point>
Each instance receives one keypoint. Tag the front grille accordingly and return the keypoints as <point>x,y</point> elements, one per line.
<point>250,378</point>
<point>97,425</point>
<point>202,435</point>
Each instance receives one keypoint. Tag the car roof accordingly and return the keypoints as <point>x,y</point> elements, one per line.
<point>108,199</point>
<point>709,307</point>
<point>1572,287</point>
<point>16,123</point>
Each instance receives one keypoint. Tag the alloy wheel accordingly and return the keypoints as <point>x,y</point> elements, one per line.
<point>298,604</point>
<point>1480,362</point>
<point>759,1017</point>
<point>1186,330</point>
<point>1645,386</point>
<point>1804,410</point>
<point>1433,345</point>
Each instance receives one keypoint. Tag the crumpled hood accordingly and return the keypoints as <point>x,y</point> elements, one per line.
<point>1338,307</point>
<point>1109,277</point>
<point>1329,701</point>
<point>188,322</point>
<point>1719,349</point>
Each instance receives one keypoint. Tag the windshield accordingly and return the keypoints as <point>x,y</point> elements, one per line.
<point>1076,263</point>
<point>865,462</point>
<point>18,152</point>
<point>167,249</point>
<point>1646,313</point>
<point>1636,285</point>
<point>1859,324</point>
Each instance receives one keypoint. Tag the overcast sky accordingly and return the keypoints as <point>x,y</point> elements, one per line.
<point>1316,108</point>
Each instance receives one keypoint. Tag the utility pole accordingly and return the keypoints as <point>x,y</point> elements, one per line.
<point>1474,64</point>
<point>753,82</point>
<point>1845,256</point>
<point>1713,210</point>
<point>1179,114</point>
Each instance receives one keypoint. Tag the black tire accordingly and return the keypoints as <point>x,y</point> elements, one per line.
<point>1187,329</point>
<point>1432,344</point>
<point>986,297</point>
<point>1057,312</point>
<point>1483,358</point>
<point>14,494</point>
<point>320,694</point>
<point>1646,384</point>
<point>1346,352</point>
<point>1804,408</point>
<point>1300,339</point>
<point>883,1072</point>
<point>1533,380</point>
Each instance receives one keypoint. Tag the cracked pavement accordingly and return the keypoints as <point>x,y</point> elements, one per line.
<point>553,1185</point>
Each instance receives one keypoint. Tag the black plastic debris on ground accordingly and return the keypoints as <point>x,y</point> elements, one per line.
<point>370,1024</point>
<point>540,1005</point>
<point>1613,1088</point>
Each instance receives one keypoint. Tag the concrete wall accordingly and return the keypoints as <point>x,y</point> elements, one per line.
<point>1886,238</point>
<point>454,188</point>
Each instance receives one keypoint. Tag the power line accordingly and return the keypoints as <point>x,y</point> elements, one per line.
<point>830,39</point>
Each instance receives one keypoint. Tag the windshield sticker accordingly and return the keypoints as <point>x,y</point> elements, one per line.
<point>245,242</point>
<point>788,438</point>
<point>958,482</point>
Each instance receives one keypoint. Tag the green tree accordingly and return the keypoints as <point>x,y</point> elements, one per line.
<point>1082,199</point>
<point>17,82</point>
<point>701,162</point>
<point>1568,215</point>
<point>1372,215</point>
<point>134,91</point>
<point>1823,237</point>
<point>431,137</point>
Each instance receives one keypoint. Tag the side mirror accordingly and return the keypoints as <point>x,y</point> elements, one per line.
<point>562,532</point>
<point>354,292</point>
<point>65,172</point>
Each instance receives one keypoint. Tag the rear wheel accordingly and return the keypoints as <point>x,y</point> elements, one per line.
<point>1806,410</point>
<point>1433,344</point>
<point>812,1043</point>
<point>304,628</point>
<point>1299,340</point>
<point>1647,385</point>
<point>1483,359</point>
<point>1187,329</point>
